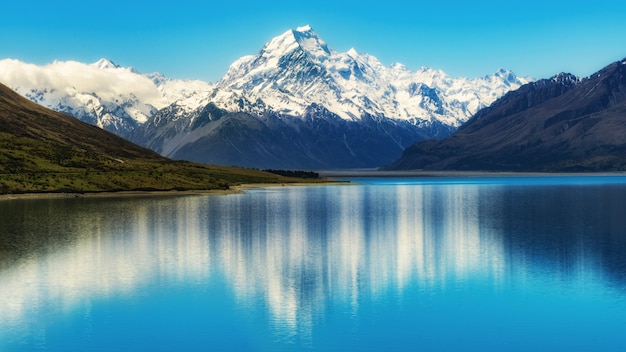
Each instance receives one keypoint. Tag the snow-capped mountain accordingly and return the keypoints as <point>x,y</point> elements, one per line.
<point>104,94</point>
<point>300,104</point>
<point>297,69</point>
<point>297,103</point>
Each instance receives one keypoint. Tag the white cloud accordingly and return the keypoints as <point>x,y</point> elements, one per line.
<point>71,78</point>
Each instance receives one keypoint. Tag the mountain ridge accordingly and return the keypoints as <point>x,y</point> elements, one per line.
<point>300,69</point>
<point>103,93</point>
<point>558,124</point>
<point>298,103</point>
<point>293,80</point>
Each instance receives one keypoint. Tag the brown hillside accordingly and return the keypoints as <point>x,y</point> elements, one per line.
<point>46,151</point>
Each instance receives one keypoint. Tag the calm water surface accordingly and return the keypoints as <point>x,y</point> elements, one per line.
<point>481,264</point>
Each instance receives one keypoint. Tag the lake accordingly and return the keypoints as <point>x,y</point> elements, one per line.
<point>428,264</point>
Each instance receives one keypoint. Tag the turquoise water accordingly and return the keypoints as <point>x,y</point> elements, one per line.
<point>441,264</point>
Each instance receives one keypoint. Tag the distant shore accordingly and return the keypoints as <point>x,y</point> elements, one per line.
<point>237,189</point>
<point>421,173</point>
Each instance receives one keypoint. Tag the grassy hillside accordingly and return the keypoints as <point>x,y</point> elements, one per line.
<point>45,151</point>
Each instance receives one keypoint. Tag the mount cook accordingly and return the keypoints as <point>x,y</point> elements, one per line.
<point>295,104</point>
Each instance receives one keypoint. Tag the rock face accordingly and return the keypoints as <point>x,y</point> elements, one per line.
<point>318,139</point>
<point>559,124</point>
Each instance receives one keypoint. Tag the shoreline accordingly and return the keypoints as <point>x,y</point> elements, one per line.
<point>237,189</point>
<point>108,194</point>
<point>329,176</point>
<point>364,173</point>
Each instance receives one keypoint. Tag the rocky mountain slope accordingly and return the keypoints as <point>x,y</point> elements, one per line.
<point>559,124</point>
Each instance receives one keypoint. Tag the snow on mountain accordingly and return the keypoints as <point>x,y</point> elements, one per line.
<point>296,103</point>
<point>290,73</point>
<point>188,94</point>
<point>104,64</point>
<point>297,69</point>
<point>560,124</point>
<point>300,104</point>
<point>104,94</point>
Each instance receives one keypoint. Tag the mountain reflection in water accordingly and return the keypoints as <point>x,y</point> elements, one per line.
<point>302,252</point>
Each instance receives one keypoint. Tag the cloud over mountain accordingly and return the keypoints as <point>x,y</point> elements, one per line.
<point>102,93</point>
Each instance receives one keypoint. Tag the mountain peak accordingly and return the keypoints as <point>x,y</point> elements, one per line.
<point>504,73</point>
<point>305,28</point>
<point>302,37</point>
<point>566,78</point>
<point>104,64</point>
<point>352,52</point>
<point>310,42</point>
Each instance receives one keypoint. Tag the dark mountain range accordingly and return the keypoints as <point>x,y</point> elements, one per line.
<point>318,140</point>
<point>46,151</point>
<point>558,124</point>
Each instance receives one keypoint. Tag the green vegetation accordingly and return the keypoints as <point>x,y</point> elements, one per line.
<point>140,176</point>
<point>45,151</point>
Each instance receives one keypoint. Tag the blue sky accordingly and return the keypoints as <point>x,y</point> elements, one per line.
<point>199,39</point>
